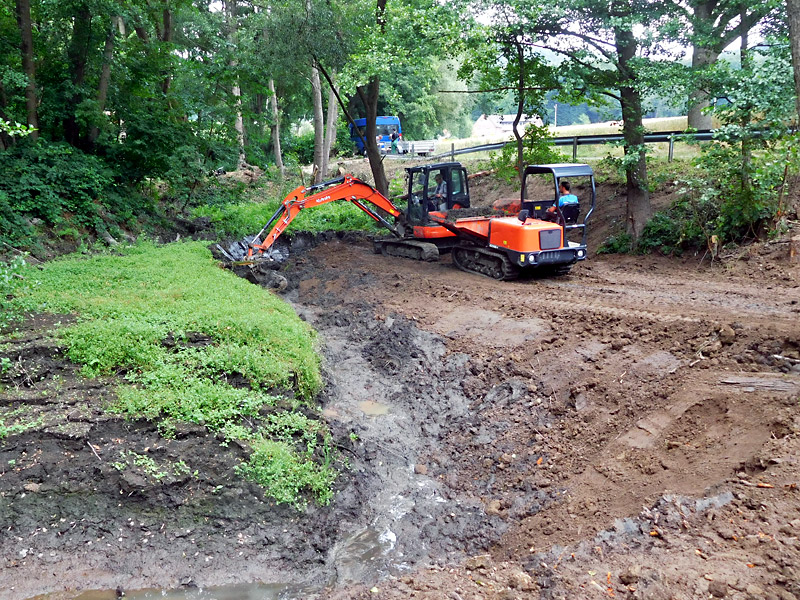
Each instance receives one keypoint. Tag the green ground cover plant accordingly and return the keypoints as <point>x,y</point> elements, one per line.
<point>176,327</point>
<point>248,217</point>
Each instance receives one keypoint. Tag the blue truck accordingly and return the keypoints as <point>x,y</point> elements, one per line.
<point>385,127</point>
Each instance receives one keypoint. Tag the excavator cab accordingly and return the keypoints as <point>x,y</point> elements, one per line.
<point>435,188</point>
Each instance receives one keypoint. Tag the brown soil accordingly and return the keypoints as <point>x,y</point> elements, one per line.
<point>629,430</point>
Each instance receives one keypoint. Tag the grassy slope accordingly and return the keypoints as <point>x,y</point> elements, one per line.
<point>129,304</point>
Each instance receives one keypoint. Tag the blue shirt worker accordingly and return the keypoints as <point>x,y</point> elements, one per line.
<point>566,199</point>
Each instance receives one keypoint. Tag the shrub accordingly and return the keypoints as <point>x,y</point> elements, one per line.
<point>537,149</point>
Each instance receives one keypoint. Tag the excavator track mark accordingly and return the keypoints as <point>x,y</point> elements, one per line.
<point>484,261</point>
<point>415,250</point>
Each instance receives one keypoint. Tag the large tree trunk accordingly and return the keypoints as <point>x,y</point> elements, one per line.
<point>78,54</point>
<point>105,78</point>
<point>702,59</point>
<point>319,125</point>
<point>28,66</point>
<point>166,36</point>
<point>236,91</point>
<point>638,209</point>
<point>332,119</point>
<point>370,100</point>
<point>793,14</point>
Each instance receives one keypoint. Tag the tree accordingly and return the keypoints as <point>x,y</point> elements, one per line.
<point>793,16</point>
<point>28,64</point>
<point>610,49</point>
<point>504,58</point>
<point>714,25</point>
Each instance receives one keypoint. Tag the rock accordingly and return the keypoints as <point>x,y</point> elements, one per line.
<point>420,469</point>
<point>494,507</point>
<point>727,335</point>
<point>518,580</point>
<point>755,591</point>
<point>31,487</point>
<point>718,589</point>
<point>631,575</point>
<point>483,561</point>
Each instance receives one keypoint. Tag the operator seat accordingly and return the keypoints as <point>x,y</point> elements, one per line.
<point>571,213</point>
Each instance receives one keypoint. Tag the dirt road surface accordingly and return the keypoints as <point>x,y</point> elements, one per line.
<point>630,430</point>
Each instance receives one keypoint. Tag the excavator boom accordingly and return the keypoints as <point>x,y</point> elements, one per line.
<point>346,188</point>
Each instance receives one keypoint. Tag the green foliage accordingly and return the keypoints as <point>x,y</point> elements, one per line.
<point>13,422</point>
<point>12,280</point>
<point>537,150</point>
<point>129,304</point>
<point>179,331</point>
<point>283,459</point>
<point>73,192</point>
<point>734,193</point>
<point>239,220</point>
<point>616,244</point>
<point>302,147</point>
<point>15,129</point>
<point>149,467</point>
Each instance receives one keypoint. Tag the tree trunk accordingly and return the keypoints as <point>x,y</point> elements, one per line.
<point>105,78</point>
<point>165,35</point>
<point>520,107</point>
<point>78,55</point>
<point>276,128</point>
<point>330,129</point>
<point>702,59</point>
<point>28,66</point>
<point>236,91</point>
<point>793,15</point>
<point>370,100</point>
<point>747,152</point>
<point>319,125</point>
<point>638,209</point>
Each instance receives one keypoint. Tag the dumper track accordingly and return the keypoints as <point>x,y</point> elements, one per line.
<point>484,261</point>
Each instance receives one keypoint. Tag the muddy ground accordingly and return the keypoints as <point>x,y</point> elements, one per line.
<point>630,430</point>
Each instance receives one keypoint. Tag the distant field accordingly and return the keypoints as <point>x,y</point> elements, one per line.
<point>587,153</point>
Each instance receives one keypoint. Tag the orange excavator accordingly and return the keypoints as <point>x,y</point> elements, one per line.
<point>494,246</point>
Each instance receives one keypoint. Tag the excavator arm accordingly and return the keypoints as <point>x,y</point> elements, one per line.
<point>346,188</point>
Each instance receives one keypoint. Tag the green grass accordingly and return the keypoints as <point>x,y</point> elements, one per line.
<point>128,305</point>
<point>247,218</point>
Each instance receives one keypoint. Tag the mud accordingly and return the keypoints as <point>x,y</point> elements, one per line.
<point>630,430</point>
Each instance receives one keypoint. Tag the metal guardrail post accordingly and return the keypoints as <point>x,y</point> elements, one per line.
<point>452,152</point>
<point>575,148</point>
<point>671,148</point>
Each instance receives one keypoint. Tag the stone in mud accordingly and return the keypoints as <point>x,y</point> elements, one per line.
<point>718,589</point>
<point>631,575</point>
<point>420,469</point>
<point>727,335</point>
<point>483,561</point>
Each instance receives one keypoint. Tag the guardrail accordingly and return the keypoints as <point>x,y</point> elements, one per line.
<point>585,140</point>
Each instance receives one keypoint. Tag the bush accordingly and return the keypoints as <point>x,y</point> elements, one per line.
<point>536,151</point>
<point>55,182</point>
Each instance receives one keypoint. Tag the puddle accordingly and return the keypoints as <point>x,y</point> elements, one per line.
<point>373,409</point>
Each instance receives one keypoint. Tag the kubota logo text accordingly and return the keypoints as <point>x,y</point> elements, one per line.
<point>323,199</point>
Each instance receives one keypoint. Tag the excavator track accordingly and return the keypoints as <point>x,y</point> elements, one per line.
<point>408,249</point>
<point>484,261</point>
